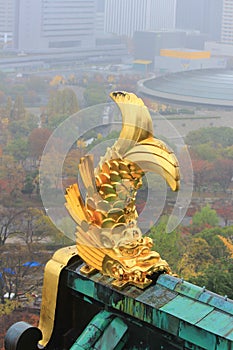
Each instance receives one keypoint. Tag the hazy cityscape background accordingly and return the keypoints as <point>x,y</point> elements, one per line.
<point>108,30</point>
<point>62,58</point>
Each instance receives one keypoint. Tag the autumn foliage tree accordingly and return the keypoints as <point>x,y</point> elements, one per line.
<point>11,177</point>
<point>224,209</point>
<point>212,157</point>
<point>62,103</point>
<point>37,141</point>
<point>196,258</point>
<point>70,167</point>
<point>201,170</point>
<point>222,173</point>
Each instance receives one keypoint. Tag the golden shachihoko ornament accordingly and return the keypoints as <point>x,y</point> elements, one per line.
<point>108,238</point>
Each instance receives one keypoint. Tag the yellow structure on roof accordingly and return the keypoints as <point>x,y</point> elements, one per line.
<point>185,54</point>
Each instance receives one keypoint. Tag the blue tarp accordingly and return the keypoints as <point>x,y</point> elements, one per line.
<point>9,270</point>
<point>32,263</point>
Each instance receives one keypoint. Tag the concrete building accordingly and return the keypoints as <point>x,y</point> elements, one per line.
<point>219,49</point>
<point>99,18</point>
<point>204,16</point>
<point>168,51</point>
<point>6,22</point>
<point>178,60</point>
<point>125,17</point>
<point>213,19</point>
<point>227,22</point>
<point>162,14</point>
<point>47,24</point>
<point>149,43</point>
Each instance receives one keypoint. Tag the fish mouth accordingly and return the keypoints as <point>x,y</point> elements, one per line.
<point>138,272</point>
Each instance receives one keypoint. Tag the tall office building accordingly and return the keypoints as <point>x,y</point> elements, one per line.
<point>124,17</point>
<point>99,18</point>
<point>6,21</point>
<point>162,14</point>
<point>189,14</point>
<point>204,16</point>
<point>227,22</point>
<point>44,24</point>
<point>213,19</point>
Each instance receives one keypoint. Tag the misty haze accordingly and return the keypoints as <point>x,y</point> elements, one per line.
<point>59,62</point>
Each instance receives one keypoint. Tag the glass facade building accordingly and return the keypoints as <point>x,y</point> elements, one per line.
<point>125,17</point>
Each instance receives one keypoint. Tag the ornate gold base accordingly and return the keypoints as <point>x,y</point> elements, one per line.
<point>131,264</point>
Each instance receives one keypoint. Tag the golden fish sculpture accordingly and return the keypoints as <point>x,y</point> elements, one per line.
<point>108,238</point>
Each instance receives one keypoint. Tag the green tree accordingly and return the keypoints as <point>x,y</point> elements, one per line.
<point>95,94</point>
<point>18,148</point>
<point>216,135</point>
<point>18,111</point>
<point>196,258</point>
<point>207,151</point>
<point>37,84</point>
<point>61,104</point>
<point>29,185</point>
<point>169,245</point>
<point>8,107</point>
<point>211,235</point>
<point>227,152</point>
<point>217,277</point>
<point>70,103</point>
<point>206,216</point>
<point>22,127</point>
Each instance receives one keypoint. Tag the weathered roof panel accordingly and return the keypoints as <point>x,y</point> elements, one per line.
<point>219,323</point>
<point>187,309</point>
<point>190,313</point>
<point>219,302</point>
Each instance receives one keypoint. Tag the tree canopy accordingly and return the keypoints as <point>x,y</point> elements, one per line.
<point>216,135</point>
<point>206,216</point>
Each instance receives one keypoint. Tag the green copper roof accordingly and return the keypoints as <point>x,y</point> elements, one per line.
<point>188,312</point>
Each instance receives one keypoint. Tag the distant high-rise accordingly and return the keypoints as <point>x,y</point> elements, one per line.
<point>227,22</point>
<point>189,14</point>
<point>6,21</point>
<point>99,17</point>
<point>124,17</point>
<point>43,24</point>
<point>204,16</point>
<point>213,19</point>
<point>100,5</point>
<point>162,14</point>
